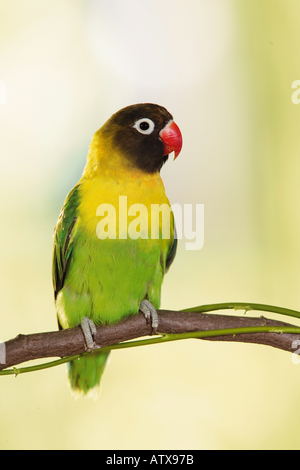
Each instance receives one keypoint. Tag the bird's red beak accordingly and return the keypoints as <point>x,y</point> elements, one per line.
<point>172,138</point>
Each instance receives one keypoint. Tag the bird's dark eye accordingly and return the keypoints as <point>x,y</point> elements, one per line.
<point>144,126</point>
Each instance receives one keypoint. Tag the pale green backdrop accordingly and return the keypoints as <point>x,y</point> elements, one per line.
<point>224,69</point>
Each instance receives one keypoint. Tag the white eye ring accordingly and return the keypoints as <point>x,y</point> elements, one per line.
<point>148,126</point>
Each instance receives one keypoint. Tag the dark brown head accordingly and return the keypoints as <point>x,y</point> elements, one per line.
<point>145,134</point>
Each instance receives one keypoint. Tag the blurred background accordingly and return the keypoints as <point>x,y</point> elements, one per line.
<point>224,69</point>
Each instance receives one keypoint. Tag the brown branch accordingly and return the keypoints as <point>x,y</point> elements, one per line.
<point>70,342</point>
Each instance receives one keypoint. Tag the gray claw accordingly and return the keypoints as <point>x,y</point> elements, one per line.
<point>149,311</point>
<point>89,331</point>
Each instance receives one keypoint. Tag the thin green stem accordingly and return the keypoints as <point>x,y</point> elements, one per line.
<point>243,306</point>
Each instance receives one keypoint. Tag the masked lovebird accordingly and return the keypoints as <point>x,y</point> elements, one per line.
<point>107,264</point>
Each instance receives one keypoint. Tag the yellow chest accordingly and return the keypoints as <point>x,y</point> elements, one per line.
<point>125,198</point>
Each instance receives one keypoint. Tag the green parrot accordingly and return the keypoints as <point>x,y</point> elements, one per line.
<point>99,276</point>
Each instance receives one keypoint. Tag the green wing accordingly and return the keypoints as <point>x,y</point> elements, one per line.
<point>172,253</point>
<point>63,239</point>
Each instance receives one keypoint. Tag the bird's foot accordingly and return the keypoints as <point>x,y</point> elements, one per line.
<point>150,313</point>
<point>89,331</point>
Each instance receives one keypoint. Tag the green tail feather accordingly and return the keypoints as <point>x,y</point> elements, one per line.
<point>85,372</point>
